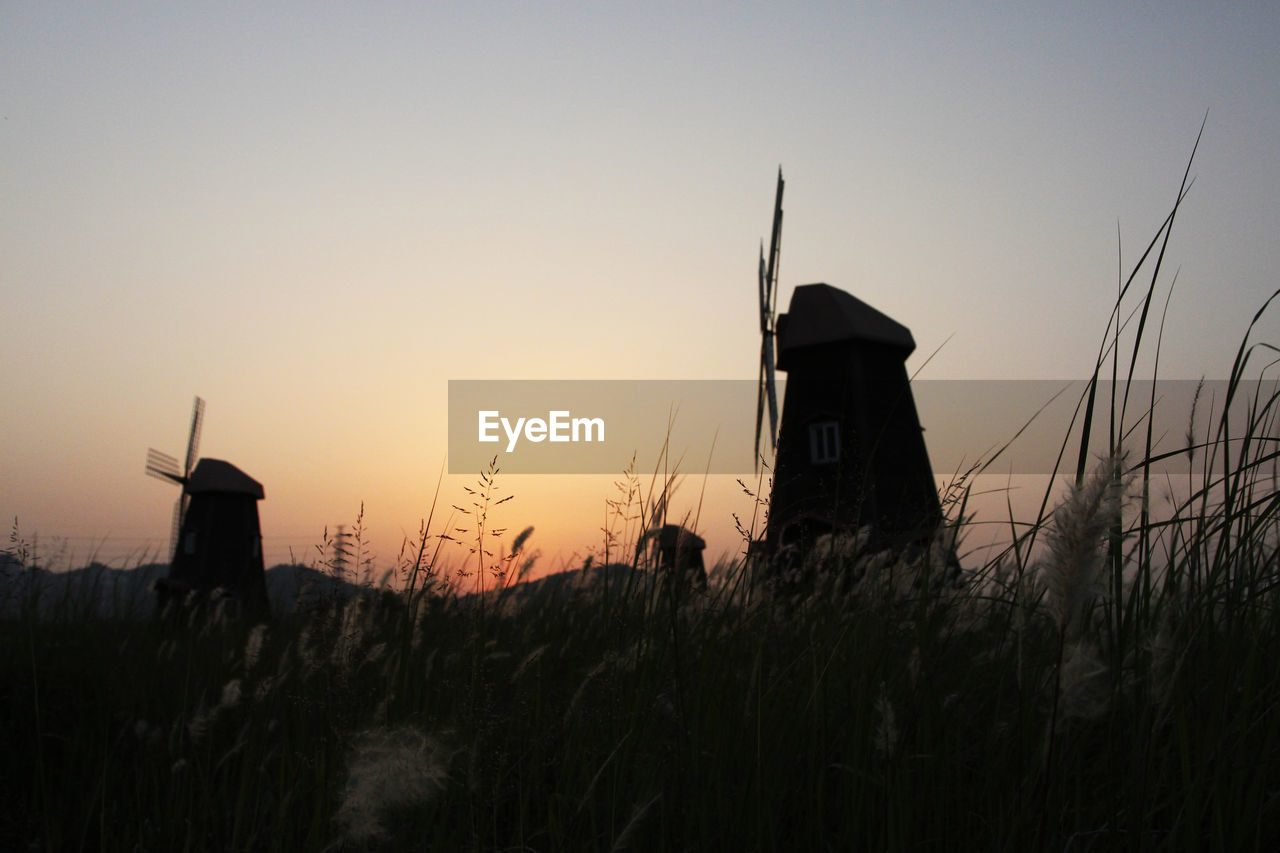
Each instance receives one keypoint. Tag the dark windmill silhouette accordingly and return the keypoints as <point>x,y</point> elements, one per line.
<point>679,555</point>
<point>217,541</point>
<point>849,450</point>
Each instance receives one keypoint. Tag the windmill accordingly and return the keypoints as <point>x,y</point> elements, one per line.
<point>768,295</point>
<point>216,540</point>
<point>849,448</point>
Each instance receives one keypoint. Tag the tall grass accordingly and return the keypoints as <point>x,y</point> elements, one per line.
<point>1109,682</point>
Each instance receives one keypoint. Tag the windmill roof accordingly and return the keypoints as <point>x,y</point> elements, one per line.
<point>822,314</point>
<point>214,475</point>
<point>675,536</point>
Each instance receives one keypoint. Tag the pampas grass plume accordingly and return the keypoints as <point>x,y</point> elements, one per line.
<point>389,769</point>
<point>253,646</point>
<point>1084,685</point>
<point>1073,565</point>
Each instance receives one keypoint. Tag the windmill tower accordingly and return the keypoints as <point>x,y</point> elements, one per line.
<point>217,541</point>
<point>849,450</point>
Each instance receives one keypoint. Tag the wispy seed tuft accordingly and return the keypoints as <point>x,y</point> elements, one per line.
<point>1073,566</point>
<point>253,646</point>
<point>389,769</point>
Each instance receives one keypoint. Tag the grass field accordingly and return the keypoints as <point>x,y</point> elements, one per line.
<point>1110,682</point>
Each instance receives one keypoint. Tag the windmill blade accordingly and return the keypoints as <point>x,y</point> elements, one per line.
<point>766,318</point>
<point>768,292</point>
<point>775,243</point>
<point>766,329</point>
<point>179,509</point>
<point>770,388</point>
<point>193,440</point>
<point>162,466</point>
<point>755,448</point>
<point>771,274</point>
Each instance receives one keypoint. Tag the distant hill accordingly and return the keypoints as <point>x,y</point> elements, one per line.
<point>99,591</point>
<point>103,592</point>
<point>612,579</point>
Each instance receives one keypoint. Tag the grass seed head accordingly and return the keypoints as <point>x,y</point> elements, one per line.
<point>1073,566</point>
<point>230,694</point>
<point>253,646</point>
<point>886,734</point>
<point>1084,683</point>
<point>389,769</point>
<point>198,726</point>
<point>528,661</point>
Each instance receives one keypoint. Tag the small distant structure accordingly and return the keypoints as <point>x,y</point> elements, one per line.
<point>850,450</point>
<point>679,554</point>
<point>216,538</point>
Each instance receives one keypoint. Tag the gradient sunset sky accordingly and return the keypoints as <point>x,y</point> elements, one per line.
<point>314,215</point>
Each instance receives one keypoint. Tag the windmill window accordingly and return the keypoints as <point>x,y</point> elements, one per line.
<point>824,442</point>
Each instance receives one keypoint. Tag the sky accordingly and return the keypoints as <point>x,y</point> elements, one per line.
<point>315,215</point>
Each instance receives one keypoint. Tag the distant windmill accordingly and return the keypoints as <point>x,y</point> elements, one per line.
<point>679,554</point>
<point>216,538</point>
<point>849,449</point>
